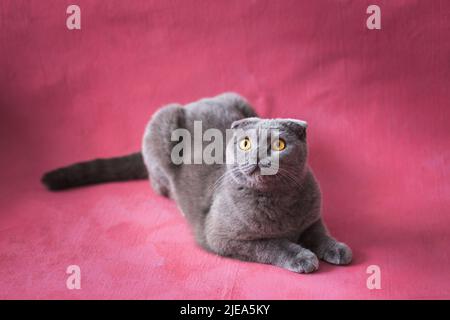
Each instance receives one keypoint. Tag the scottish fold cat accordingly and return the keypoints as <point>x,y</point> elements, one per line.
<point>233,208</point>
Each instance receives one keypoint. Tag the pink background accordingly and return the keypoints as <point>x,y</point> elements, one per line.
<point>377,103</point>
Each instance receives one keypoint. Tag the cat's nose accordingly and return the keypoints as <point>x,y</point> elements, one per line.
<point>264,163</point>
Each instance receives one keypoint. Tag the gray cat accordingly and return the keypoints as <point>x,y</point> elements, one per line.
<point>234,209</point>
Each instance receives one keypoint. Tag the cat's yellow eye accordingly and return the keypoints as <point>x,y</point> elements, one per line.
<point>245,144</point>
<point>279,145</point>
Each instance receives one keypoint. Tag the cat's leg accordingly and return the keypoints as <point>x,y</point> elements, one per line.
<point>157,147</point>
<point>159,181</point>
<point>317,239</point>
<point>279,252</point>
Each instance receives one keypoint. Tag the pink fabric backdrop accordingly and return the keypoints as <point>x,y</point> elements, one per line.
<point>377,103</point>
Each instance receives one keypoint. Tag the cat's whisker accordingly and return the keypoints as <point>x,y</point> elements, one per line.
<point>227,173</point>
<point>286,174</point>
<point>219,180</point>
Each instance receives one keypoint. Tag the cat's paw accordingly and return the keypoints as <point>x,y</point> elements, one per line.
<point>338,253</point>
<point>303,262</point>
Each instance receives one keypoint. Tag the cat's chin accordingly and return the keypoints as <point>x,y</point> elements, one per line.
<point>257,181</point>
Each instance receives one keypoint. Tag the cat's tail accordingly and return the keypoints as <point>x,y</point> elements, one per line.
<point>130,167</point>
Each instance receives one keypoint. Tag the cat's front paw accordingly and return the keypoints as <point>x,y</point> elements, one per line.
<point>338,253</point>
<point>304,262</point>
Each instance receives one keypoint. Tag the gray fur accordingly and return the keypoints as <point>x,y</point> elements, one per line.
<point>273,219</point>
<point>233,209</point>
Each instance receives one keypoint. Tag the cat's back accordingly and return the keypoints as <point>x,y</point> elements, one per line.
<point>194,184</point>
<point>218,112</point>
<point>190,185</point>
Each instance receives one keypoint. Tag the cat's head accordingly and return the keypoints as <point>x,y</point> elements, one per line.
<point>267,153</point>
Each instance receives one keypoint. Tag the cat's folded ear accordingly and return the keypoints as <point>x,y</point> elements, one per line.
<point>298,127</point>
<point>238,124</point>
